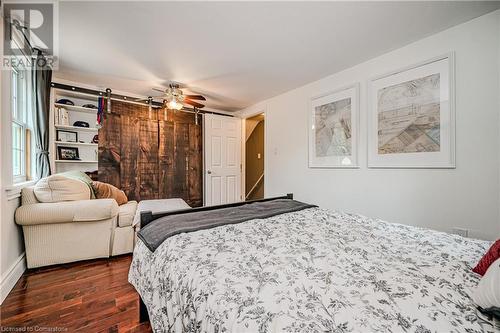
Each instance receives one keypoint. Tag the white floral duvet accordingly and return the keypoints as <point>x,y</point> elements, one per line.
<point>313,270</point>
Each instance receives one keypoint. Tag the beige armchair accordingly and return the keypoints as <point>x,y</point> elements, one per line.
<point>67,231</point>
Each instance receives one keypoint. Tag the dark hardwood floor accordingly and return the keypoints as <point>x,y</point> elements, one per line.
<point>89,296</point>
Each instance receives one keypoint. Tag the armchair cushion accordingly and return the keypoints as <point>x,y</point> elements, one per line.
<point>59,187</point>
<point>126,214</point>
<point>28,196</point>
<point>67,211</point>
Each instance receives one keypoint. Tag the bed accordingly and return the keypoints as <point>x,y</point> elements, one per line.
<point>307,270</point>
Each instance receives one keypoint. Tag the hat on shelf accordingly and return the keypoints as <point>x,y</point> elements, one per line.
<point>65,101</point>
<point>80,123</point>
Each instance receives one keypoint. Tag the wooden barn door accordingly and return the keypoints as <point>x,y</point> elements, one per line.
<point>149,156</point>
<point>180,158</point>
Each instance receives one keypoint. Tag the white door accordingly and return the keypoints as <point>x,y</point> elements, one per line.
<point>222,137</point>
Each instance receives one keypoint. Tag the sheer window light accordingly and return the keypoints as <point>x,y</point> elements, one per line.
<point>21,126</point>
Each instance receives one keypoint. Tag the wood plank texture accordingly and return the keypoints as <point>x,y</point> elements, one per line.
<point>152,155</point>
<point>129,166</point>
<point>195,176</point>
<point>88,296</point>
<point>110,150</point>
<point>148,159</point>
<point>181,142</point>
<point>166,159</point>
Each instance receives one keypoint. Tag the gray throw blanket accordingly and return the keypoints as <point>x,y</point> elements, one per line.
<point>157,231</point>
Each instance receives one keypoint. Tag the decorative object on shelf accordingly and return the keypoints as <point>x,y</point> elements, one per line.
<point>66,136</point>
<point>65,101</point>
<point>95,139</point>
<point>412,117</point>
<point>333,129</point>
<point>81,123</point>
<point>68,153</point>
<point>89,106</point>
<point>62,116</point>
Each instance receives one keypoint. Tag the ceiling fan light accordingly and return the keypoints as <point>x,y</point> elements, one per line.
<point>174,105</point>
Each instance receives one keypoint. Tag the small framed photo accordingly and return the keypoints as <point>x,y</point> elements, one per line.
<point>333,129</point>
<point>67,136</point>
<point>68,153</point>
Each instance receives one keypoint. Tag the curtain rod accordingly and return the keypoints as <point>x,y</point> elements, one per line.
<point>18,26</point>
<point>126,99</point>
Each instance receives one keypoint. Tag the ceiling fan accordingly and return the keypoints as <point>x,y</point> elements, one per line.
<point>175,99</point>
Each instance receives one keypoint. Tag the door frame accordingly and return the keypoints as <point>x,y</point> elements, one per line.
<point>244,116</point>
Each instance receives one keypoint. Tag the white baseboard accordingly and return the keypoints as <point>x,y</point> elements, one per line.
<point>12,276</point>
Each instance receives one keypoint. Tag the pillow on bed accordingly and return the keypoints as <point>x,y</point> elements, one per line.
<point>490,256</point>
<point>108,191</point>
<point>487,295</point>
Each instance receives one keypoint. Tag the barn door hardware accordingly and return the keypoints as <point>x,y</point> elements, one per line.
<point>150,107</point>
<point>196,111</point>
<point>108,102</point>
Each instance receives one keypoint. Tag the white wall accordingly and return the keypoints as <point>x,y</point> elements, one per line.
<point>12,263</point>
<point>466,197</point>
<point>12,258</point>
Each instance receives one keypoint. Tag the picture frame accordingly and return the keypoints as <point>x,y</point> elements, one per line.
<point>334,128</point>
<point>411,116</point>
<point>66,136</point>
<point>68,153</point>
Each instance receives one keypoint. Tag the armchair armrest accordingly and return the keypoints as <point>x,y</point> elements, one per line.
<point>67,211</point>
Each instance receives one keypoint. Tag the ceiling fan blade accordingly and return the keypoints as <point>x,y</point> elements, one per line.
<point>159,89</point>
<point>196,97</point>
<point>193,103</point>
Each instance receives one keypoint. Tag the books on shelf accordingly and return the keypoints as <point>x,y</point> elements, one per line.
<point>62,117</point>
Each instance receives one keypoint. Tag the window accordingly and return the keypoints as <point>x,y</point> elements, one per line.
<point>21,126</point>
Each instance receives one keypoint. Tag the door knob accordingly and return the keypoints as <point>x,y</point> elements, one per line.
<point>209,172</point>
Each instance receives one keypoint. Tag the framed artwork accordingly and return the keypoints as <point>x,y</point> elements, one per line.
<point>67,136</point>
<point>333,129</point>
<point>411,117</point>
<point>68,153</point>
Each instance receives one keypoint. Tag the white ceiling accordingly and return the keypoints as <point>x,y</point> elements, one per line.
<point>238,53</point>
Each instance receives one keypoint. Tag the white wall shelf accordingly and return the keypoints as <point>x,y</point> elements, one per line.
<point>76,128</point>
<point>74,94</point>
<point>74,161</point>
<point>76,108</point>
<point>60,143</point>
<point>87,151</point>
